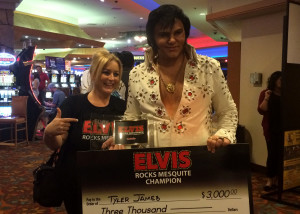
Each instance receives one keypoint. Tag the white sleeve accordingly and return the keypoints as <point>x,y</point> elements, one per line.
<point>225,108</point>
<point>133,106</point>
<point>122,90</point>
<point>85,82</point>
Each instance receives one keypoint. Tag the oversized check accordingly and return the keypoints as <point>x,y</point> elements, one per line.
<point>166,180</point>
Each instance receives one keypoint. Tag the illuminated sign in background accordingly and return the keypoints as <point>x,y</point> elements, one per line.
<point>7,59</point>
<point>139,57</point>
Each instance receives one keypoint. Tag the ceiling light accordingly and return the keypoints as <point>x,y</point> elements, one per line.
<point>102,0</point>
<point>128,41</point>
<point>26,37</point>
<point>202,14</point>
<point>141,18</point>
<point>39,38</point>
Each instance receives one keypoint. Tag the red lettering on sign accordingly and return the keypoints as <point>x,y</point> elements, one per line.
<point>139,161</point>
<point>174,160</point>
<point>87,127</point>
<point>150,164</point>
<point>157,160</point>
<point>120,129</point>
<point>104,127</point>
<point>96,127</point>
<point>163,161</point>
<point>185,160</point>
<point>129,129</point>
<point>140,128</point>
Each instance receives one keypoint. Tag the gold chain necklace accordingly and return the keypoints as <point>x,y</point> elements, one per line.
<point>170,87</point>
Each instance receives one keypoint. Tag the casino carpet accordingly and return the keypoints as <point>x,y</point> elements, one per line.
<point>17,164</point>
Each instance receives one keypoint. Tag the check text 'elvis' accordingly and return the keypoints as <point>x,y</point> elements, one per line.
<point>162,168</point>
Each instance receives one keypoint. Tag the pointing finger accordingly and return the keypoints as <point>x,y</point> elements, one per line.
<point>69,120</point>
<point>58,114</point>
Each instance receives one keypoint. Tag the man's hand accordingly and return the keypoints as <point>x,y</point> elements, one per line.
<point>215,142</point>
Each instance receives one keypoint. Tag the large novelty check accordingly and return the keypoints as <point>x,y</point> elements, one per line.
<point>166,180</point>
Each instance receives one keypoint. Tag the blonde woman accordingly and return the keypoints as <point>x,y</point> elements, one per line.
<point>71,130</point>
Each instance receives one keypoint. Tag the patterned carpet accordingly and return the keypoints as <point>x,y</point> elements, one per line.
<point>17,164</point>
<point>263,206</point>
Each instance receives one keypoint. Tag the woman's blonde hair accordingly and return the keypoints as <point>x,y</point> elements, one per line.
<point>99,61</point>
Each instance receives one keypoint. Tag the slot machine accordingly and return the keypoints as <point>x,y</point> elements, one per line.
<point>64,81</point>
<point>65,87</point>
<point>7,84</point>
<point>55,78</point>
<point>7,87</point>
<point>72,81</point>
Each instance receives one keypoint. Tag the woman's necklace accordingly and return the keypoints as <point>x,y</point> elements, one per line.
<point>170,87</point>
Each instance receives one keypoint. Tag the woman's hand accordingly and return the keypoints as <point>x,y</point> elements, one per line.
<point>59,126</point>
<point>267,94</point>
<point>56,132</point>
<point>215,142</point>
<point>110,144</point>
